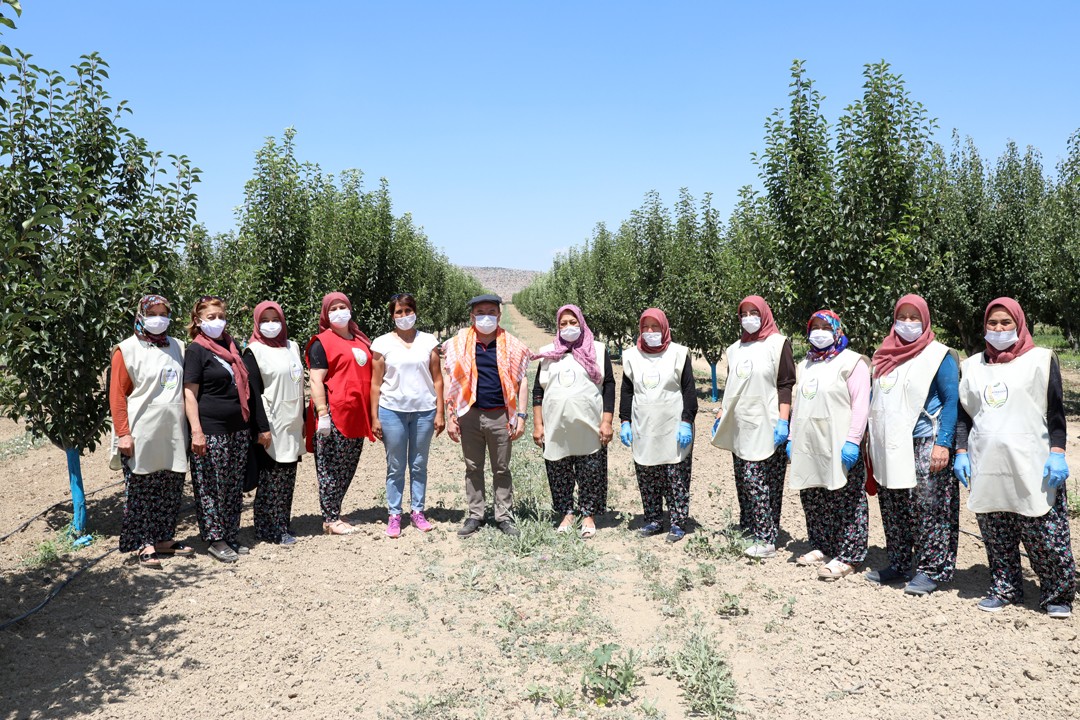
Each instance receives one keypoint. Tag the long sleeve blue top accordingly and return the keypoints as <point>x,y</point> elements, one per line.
<point>944,396</point>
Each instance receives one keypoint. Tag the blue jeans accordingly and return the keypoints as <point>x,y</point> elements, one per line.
<point>407,437</point>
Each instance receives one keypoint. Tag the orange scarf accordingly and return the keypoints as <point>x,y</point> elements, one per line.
<point>459,362</point>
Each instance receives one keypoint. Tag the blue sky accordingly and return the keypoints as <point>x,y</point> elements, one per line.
<point>508,129</point>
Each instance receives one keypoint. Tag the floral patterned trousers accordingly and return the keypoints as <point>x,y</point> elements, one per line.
<point>218,480</point>
<point>837,520</point>
<point>273,501</point>
<point>1046,539</point>
<point>336,458</point>
<point>589,472</point>
<point>151,507</point>
<point>670,484</point>
<point>760,487</point>
<point>923,522</point>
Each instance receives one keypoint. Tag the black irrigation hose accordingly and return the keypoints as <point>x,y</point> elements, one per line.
<point>56,590</point>
<point>53,507</point>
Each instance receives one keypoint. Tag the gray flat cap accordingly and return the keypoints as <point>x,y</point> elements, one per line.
<point>485,298</point>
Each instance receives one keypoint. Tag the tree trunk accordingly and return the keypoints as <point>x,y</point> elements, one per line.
<point>78,497</point>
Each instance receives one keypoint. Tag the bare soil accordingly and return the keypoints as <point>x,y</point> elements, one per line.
<point>432,626</point>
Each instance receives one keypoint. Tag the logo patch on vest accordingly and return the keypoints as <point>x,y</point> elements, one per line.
<point>296,372</point>
<point>169,379</point>
<point>996,395</point>
<point>361,356</point>
<point>743,369</point>
<point>809,389</point>
<point>651,379</point>
<point>888,382</point>
<point>567,377</point>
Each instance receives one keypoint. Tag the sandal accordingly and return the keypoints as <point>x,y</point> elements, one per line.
<point>834,570</point>
<point>177,548</point>
<point>814,557</point>
<point>588,531</point>
<point>338,527</point>
<point>225,554</point>
<point>150,560</point>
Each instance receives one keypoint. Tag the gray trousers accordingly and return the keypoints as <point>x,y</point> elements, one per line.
<point>484,433</point>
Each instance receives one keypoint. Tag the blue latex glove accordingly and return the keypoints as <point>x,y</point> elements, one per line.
<point>780,433</point>
<point>849,455</point>
<point>1057,470</point>
<point>626,434</point>
<point>788,449</point>
<point>685,434</point>
<point>715,424</point>
<point>961,468</point>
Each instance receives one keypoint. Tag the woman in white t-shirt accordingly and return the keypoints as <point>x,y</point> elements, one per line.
<point>406,408</point>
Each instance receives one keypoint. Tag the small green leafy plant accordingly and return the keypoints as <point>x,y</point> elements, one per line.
<point>610,674</point>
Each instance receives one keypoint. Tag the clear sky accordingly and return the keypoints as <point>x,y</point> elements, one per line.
<point>509,129</point>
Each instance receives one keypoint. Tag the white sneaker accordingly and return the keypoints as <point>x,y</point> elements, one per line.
<point>760,551</point>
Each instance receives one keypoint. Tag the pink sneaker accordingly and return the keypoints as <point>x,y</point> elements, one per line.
<point>393,526</point>
<point>420,522</point>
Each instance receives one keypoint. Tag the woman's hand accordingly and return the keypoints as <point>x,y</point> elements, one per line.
<point>939,458</point>
<point>538,433</point>
<point>606,432</point>
<point>126,446</point>
<point>264,440</point>
<point>453,429</point>
<point>440,423</point>
<point>376,428</point>
<point>198,443</point>
<point>517,428</point>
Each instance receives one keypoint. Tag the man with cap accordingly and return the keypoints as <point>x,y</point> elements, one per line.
<point>486,385</point>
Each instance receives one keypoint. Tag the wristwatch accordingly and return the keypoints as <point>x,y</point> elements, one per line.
<point>522,415</point>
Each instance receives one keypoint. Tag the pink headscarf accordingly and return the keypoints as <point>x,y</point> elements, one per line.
<point>1024,341</point>
<point>282,340</point>
<point>324,317</point>
<point>665,330</point>
<point>895,350</point>
<point>582,348</point>
<point>768,324</point>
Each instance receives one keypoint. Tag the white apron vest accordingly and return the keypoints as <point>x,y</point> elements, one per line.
<point>573,406</point>
<point>751,402</point>
<point>156,406</point>
<point>658,404</point>
<point>282,398</point>
<point>1009,441</point>
<point>897,401</point>
<point>820,420</point>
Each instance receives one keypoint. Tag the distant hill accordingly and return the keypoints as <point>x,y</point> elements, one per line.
<point>502,281</point>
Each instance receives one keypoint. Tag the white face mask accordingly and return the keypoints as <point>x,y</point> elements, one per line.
<point>1002,340</point>
<point>751,323</point>
<point>212,328</point>
<point>155,324</point>
<point>652,339</point>
<point>270,329</point>
<point>908,331</point>
<point>486,324</point>
<point>570,333</point>
<point>340,318</point>
<point>405,322</point>
<point>821,339</point>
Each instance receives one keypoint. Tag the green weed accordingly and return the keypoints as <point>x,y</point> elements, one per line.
<point>16,446</point>
<point>705,677</point>
<point>706,574</point>
<point>52,551</point>
<point>730,606</point>
<point>610,674</point>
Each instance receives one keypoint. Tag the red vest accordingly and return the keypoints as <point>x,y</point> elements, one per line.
<point>348,383</point>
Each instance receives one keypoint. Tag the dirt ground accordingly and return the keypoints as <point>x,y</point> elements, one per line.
<point>432,626</point>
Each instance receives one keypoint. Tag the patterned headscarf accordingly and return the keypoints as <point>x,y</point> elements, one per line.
<point>840,340</point>
<point>147,302</point>
<point>324,317</point>
<point>582,348</point>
